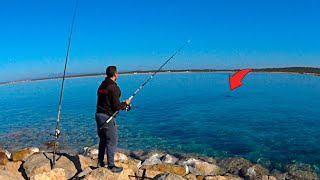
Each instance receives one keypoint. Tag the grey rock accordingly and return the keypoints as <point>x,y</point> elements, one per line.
<point>255,172</point>
<point>153,159</point>
<point>234,165</point>
<point>204,169</point>
<point>301,172</point>
<point>169,159</point>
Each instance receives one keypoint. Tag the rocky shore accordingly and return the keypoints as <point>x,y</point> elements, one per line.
<point>34,164</point>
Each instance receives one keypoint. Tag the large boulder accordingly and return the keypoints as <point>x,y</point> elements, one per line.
<point>7,153</point>
<point>93,154</point>
<point>168,176</point>
<point>234,165</point>
<point>86,162</point>
<point>12,167</point>
<point>205,169</point>
<point>190,177</point>
<point>3,158</point>
<point>84,173</point>
<point>126,174</point>
<point>169,159</point>
<point>255,172</point>
<point>153,159</point>
<point>186,162</point>
<point>55,174</point>
<point>120,157</point>
<point>148,173</point>
<point>168,168</point>
<point>39,163</point>
<point>221,178</point>
<point>143,155</point>
<point>7,175</point>
<point>301,172</point>
<point>105,173</point>
<point>134,164</point>
<point>23,154</point>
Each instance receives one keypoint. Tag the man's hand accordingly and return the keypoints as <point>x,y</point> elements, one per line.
<point>127,101</point>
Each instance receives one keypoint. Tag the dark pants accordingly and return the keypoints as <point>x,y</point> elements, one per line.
<point>108,138</point>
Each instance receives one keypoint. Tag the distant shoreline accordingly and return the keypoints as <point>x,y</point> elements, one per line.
<point>293,70</point>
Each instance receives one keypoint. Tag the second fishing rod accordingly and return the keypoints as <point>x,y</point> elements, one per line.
<point>127,108</point>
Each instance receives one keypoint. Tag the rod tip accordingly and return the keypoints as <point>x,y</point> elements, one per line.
<point>189,40</point>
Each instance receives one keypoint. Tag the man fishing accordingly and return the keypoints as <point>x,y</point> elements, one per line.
<point>108,103</point>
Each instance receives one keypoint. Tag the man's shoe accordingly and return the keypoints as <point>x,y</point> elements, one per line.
<point>115,169</point>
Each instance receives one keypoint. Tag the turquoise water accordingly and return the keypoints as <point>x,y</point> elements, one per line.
<point>273,119</point>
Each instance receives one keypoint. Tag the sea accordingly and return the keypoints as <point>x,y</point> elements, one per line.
<point>272,119</point>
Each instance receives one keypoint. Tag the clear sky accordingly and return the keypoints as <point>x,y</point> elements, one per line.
<point>142,34</point>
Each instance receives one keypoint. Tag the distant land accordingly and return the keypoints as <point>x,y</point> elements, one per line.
<point>296,70</point>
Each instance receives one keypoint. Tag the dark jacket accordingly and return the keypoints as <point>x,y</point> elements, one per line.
<point>109,97</point>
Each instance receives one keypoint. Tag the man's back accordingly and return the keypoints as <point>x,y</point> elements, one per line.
<point>109,97</point>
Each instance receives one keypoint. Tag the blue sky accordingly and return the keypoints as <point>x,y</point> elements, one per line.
<point>142,34</point>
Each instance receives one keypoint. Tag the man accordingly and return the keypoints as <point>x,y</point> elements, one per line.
<point>108,103</point>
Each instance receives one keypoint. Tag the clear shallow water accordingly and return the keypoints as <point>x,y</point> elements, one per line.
<point>273,119</point>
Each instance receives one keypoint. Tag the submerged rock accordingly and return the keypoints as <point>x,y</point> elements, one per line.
<point>24,153</point>
<point>39,163</point>
<point>168,176</point>
<point>301,172</point>
<point>169,159</point>
<point>234,165</point>
<point>55,174</point>
<point>50,144</point>
<point>168,168</point>
<point>255,172</point>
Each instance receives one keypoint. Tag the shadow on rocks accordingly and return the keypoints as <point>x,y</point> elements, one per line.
<point>74,159</point>
<point>23,172</point>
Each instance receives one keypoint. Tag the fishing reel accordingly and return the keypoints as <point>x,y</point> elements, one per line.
<point>128,107</point>
<point>57,135</point>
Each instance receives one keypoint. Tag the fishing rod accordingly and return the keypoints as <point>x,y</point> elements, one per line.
<point>57,131</point>
<point>129,106</point>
